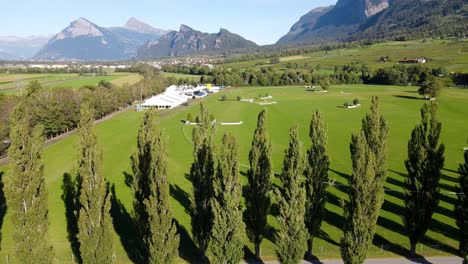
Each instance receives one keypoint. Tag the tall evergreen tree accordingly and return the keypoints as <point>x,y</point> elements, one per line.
<point>257,199</point>
<point>94,220</point>
<point>424,164</point>
<point>227,239</point>
<point>202,174</point>
<point>25,190</point>
<point>461,210</point>
<point>161,240</point>
<point>142,167</point>
<point>366,194</point>
<point>291,237</point>
<point>316,178</point>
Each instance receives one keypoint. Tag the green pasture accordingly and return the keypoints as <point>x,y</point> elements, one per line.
<point>51,81</point>
<point>448,53</point>
<point>399,105</point>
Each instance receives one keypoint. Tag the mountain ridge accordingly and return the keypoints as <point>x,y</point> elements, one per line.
<point>83,40</point>
<point>189,41</point>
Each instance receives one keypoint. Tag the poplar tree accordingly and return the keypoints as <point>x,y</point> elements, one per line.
<point>257,197</point>
<point>461,210</point>
<point>291,237</point>
<point>94,220</point>
<point>424,164</point>
<point>25,190</point>
<point>316,178</point>
<point>142,166</point>
<point>366,193</point>
<point>161,240</point>
<point>227,239</point>
<point>202,174</point>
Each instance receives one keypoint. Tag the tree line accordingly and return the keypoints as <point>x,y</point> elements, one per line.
<point>58,109</point>
<point>219,221</point>
<point>354,73</point>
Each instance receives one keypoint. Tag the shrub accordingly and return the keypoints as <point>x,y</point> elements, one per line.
<point>355,101</point>
<point>239,98</point>
<point>346,104</point>
<point>224,97</point>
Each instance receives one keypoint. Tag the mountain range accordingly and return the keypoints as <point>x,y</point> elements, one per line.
<point>188,41</point>
<point>20,48</point>
<point>84,40</point>
<point>350,20</point>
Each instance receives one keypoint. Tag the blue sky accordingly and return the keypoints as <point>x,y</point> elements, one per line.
<point>262,21</point>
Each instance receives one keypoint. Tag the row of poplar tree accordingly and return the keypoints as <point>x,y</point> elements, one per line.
<point>219,222</point>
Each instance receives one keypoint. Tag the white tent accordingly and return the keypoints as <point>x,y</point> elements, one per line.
<point>168,100</point>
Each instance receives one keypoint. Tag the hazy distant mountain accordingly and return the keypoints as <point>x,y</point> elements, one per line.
<point>371,19</point>
<point>20,48</point>
<point>188,41</point>
<point>84,40</point>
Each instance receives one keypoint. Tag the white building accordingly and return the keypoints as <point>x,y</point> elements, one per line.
<point>169,99</point>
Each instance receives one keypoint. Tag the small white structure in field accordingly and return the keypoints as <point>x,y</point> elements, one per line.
<point>322,91</point>
<point>265,98</point>
<point>345,93</point>
<point>267,103</point>
<point>353,106</point>
<point>232,124</point>
<point>247,100</point>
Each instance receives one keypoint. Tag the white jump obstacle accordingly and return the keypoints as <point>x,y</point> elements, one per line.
<point>265,98</point>
<point>345,93</point>
<point>353,106</point>
<point>247,100</point>
<point>231,124</point>
<point>188,123</point>
<point>324,91</point>
<point>267,103</point>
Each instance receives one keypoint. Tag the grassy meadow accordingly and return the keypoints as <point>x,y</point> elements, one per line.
<point>9,82</point>
<point>438,52</point>
<point>399,105</point>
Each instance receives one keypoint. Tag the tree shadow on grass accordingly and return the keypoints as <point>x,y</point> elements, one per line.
<point>249,256</point>
<point>70,196</point>
<point>125,227</point>
<point>128,179</point>
<point>3,205</point>
<point>181,196</point>
<point>409,97</point>
<point>188,250</point>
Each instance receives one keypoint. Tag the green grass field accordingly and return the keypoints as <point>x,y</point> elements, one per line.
<point>51,81</point>
<point>8,81</point>
<point>448,53</point>
<point>399,105</point>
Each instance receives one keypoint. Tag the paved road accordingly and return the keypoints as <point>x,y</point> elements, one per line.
<point>434,260</point>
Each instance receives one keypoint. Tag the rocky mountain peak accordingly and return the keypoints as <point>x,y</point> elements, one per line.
<point>185,29</point>
<point>79,27</point>
<point>139,26</point>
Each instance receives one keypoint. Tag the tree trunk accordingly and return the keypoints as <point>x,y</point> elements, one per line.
<point>310,243</point>
<point>413,250</point>
<point>203,252</point>
<point>257,251</point>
